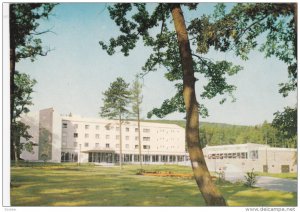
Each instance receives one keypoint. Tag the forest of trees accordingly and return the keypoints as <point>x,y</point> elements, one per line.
<point>213,134</point>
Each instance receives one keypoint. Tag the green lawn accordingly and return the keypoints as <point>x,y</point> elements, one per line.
<point>70,185</point>
<point>291,176</point>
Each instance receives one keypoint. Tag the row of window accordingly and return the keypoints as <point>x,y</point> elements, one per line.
<point>97,136</point>
<point>110,158</point>
<point>107,127</point>
<point>107,145</point>
<point>235,155</point>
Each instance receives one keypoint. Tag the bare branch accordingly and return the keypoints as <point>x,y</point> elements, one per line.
<point>43,32</point>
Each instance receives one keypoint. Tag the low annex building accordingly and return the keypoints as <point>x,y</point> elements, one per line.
<point>250,156</point>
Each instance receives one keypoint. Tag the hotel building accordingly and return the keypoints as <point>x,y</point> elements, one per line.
<point>77,139</point>
<point>73,139</point>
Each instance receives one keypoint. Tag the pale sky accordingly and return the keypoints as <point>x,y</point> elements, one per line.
<point>73,76</point>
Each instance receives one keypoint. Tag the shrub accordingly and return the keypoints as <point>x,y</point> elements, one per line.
<point>250,178</point>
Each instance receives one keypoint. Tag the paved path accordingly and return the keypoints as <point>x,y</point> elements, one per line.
<point>273,183</point>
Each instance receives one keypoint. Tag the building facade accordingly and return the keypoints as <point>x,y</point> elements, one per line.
<point>250,156</point>
<point>77,139</point>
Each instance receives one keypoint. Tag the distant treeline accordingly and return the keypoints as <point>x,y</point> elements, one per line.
<point>213,134</point>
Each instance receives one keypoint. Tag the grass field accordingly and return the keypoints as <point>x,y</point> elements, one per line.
<point>70,185</point>
<point>291,176</point>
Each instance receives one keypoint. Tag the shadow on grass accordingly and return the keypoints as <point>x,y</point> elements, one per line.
<point>102,186</point>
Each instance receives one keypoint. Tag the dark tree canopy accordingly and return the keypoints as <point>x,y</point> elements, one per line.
<point>24,22</point>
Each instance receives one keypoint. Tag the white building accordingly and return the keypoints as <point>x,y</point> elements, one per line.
<point>248,157</point>
<point>73,139</point>
<point>69,138</point>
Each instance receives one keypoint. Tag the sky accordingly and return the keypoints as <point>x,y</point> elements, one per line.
<point>73,76</point>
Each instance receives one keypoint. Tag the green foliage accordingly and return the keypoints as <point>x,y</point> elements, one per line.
<point>136,22</point>
<point>24,22</point>
<point>213,134</point>
<point>22,96</point>
<point>250,178</point>
<point>116,99</point>
<point>286,124</point>
<point>136,97</point>
<point>270,27</point>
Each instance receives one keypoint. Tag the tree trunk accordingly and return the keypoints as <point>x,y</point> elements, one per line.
<point>209,191</point>
<point>139,135</point>
<point>13,150</point>
<point>121,155</point>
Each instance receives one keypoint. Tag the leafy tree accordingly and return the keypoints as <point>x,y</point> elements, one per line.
<point>171,48</point>
<point>286,124</point>
<point>237,30</point>
<point>23,24</point>
<point>136,101</point>
<point>272,27</point>
<point>115,102</point>
<point>22,96</point>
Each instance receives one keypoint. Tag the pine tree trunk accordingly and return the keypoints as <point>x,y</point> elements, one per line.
<point>209,191</point>
<point>121,155</point>
<point>139,136</point>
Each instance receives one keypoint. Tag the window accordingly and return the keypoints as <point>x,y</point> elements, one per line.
<point>87,127</point>
<point>107,136</point>
<point>75,144</point>
<point>127,146</point>
<point>146,138</point>
<point>172,158</point>
<point>253,154</point>
<point>127,129</point>
<point>145,130</point>
<point>146,146</point>
<point>96,145</point>
<point>86,144</point>
<point>97,127</point>
<point>136,146</point>
<point>64,125</point>
<point>117,137</point>
<point>64,143</point>
<point>127,138</point>
<point>107,145</point>
<point>97,136</point>
<point>136,129</point>
<point>136,138</point>
<point>164,158</point>
<point>147,158</point>
<point>117,128</point>
<point>107,127</point>
<point>136,158</point>
<point>75,126</point>
<point>75,135</point>
<point>155,158</point>
<point>117,145</point>
<point>86,135</point>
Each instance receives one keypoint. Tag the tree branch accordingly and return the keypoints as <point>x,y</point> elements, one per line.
<point>43,32</point>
